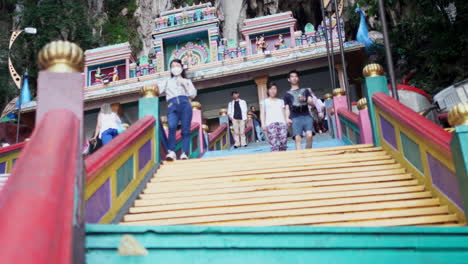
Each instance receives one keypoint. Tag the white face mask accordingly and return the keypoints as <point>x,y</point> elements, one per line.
<point>176,71</point>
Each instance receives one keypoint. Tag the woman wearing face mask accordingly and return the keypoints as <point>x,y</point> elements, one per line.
<point>178,90</point>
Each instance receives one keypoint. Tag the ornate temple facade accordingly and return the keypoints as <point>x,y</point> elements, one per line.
<point>269,48</point>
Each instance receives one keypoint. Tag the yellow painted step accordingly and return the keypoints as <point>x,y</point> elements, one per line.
<point>249,161</point>
<point>274,183</point>
<point>247,193</point>
<point>404,221</point>
<point>275,206</point>
<point>293,212</point>
<point>294,153</point>
<point>337,218</point>
<point>313,175</point>
<point>319,198</point>
<point>171,173</point>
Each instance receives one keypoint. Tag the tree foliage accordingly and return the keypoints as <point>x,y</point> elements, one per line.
<point>424,40</point>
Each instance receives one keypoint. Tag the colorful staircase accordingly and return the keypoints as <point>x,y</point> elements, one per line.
<point>358,185</point>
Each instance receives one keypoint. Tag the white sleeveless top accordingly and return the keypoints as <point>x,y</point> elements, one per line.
<point>273,111</point>
<point>108,121</point>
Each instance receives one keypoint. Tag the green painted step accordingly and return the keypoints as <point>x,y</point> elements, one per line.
<point>257,245</point>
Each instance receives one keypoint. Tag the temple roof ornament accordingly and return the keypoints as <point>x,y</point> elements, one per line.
<point>196,105</point>
<point>362,104</point>
<point>339,92</point>
<point>372,70</point>
<point>61,56</point>
<point>458,115</point>
<point>150,91</point>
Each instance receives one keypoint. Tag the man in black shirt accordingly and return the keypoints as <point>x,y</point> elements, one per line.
<point>237,112</point>
<point>297,101</point>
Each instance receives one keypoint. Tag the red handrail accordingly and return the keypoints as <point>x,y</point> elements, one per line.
<point>111,151</point>
<point>426,129</point>
<point>12,148</point>
<point>193,127</point>
<point>217,132</point>
<point>37,203</point>
<point>349,115</point>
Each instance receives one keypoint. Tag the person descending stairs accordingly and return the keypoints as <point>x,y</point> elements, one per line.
<point>358,185</point>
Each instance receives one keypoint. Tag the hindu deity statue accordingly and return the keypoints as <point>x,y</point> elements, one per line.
<point>208,13</point>
<point>198,15</point>
<point>262,45</point>
<point>115,74</point>
<point>189,59</point>
<point>221,49</point>
<point>280,44</point>
<point>171,20</point>
<point>178,17</point>
<point>319,35</point>
<point>185,17</point>
<point>161,22</point>
<point>190,16</point>
<point>99,76</point>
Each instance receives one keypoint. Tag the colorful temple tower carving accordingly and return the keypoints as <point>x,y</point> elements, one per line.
<point>190,34</point>
<point>108,64</point>
<point>263,33</point>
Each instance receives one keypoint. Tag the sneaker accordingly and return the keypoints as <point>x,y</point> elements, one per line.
<point>244,146</point>
<point>171,156</point>
<point>183,156</point>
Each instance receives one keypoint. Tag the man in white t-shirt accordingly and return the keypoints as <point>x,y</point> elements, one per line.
<point>237,112</point>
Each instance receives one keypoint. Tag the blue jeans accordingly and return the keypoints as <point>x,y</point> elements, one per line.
<point>302,123</point>
<point>108,135</point>
<point>258,130</point>
<point>179,109</point>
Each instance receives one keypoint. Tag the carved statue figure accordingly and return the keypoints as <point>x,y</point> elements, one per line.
<point>99,76</point>
<point>280,44</point>
<point>190,16</point>
<point>185,18</point>
<point>262,45</point>
<point>161,22</point>
<point>171,20</point>
<point>178,18</point>
<point>115,74</point>
<point>198,15</point>
<point>189,59</point>
<point>221,50</point>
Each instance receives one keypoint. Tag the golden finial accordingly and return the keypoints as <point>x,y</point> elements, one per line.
<point>372,70</point>
<point>332,111</point>
<point>458,115</point>
<point>223,112</point>
<point>205,128</point>
<point>150,91</point>
<point>339,92</point>
<point>61,56</point>
<point>164,122</point>
<point>196,105</point>
<point>362,104</point>
<point>328,96</point>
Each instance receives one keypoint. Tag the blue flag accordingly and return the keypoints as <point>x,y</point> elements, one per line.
<point>25,92</point>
